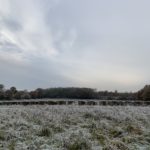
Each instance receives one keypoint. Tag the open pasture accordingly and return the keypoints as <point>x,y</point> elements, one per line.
<point>71,127</point>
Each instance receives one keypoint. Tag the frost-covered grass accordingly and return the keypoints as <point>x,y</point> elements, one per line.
<point>74,128</point>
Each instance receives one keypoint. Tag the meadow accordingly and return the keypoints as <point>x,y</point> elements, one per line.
<point>71,127</point>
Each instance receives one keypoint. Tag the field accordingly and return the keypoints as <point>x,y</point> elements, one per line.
<point>44,127</point>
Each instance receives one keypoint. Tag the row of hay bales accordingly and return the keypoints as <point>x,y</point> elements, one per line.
<point>77,102</point>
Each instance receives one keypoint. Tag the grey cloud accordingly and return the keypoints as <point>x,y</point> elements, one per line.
<point>27,76</point>
<point>6,45</point>
<point>11,24</point>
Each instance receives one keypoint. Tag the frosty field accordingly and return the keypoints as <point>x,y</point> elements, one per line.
<point>44,127</point>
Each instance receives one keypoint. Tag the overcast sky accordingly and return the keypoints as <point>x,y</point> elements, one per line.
<point>103,44</point>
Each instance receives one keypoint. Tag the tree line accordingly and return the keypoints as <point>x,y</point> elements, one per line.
<point>72,93</point>
<point>144,94</point>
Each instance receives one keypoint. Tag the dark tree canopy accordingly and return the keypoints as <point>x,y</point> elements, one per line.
<point>72,93</point>
<point>144,94</point>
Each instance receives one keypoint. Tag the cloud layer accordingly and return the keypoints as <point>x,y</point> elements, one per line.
<point>100,44</point>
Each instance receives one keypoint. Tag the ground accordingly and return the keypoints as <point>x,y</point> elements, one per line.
<point>44,127</point>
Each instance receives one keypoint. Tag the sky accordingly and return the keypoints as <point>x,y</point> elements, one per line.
<point>75,43</point>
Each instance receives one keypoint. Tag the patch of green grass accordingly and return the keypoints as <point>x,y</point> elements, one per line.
<point>108,148</point>
<point>147,139</point>
<point>99,136</point>
<point>88,115</point>
<point>77,142</point>
<point>115,132</point>
<point>78,145</point>
<point>128,139</point>
<point>69,121</point>
<point>56,129</point>
<point>119,145</point>
<point>133,129</point>
<point>2,135</point>
<point>92,126</point>
<point>12,145</point>
<point>45,132</point>
<point>37,121</point>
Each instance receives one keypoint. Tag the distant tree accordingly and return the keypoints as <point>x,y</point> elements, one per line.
<point>39,92</point>
<point>1,87</point>
<point>33,94</point>
<point>25,95</point>
<point>140,94</point>
<point>13,92</point>
<point>2,92</point>
<point>2,95</point>
<point>116,93</point>
<point>18,95</point>
<point>144,94</point>
<point>8,95</point>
